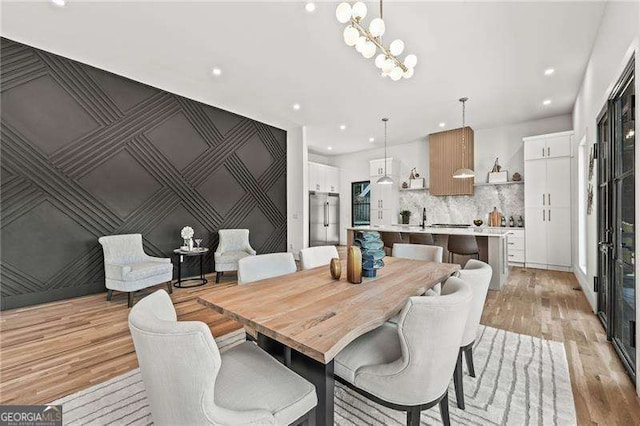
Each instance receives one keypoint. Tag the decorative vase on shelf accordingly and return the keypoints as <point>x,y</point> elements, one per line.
<point>372,248</point>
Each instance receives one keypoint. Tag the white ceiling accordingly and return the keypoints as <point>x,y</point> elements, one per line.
<point>275,54</point>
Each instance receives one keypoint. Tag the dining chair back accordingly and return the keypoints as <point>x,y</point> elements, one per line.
<point>263,266</point>
<point>462,244</point>
<point>312,257</point>
<point>418,252</point>
<point>426,239</point>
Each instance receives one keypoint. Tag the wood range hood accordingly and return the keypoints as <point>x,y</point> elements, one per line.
<point>446,155</point>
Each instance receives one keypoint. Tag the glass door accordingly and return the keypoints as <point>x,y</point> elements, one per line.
<point>605,227</point>
<point>360,203</point>
<point>623,268</point>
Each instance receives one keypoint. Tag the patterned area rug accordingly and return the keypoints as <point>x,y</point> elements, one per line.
<point>521,380</point>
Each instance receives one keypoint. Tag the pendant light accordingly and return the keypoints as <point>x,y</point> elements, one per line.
<point>385,180</point>
<point>464,173</point>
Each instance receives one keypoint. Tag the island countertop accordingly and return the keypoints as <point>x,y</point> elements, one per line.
<point>413,229</point>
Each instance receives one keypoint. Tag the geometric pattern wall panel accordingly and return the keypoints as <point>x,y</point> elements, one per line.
<point>86,153</point>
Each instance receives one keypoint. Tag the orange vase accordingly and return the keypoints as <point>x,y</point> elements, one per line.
<point>354,265</point>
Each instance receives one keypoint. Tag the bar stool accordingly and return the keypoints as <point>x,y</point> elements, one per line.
<point>463,245</point>
<point>424,239</point>
<point>389,239</point>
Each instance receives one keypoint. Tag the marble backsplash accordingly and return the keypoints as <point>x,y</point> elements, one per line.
<point>509,200</point>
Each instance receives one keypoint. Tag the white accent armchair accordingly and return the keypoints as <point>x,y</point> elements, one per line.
<point>233,245</point>
<point>188,381</point>
<point>128,268</point>
<point>265,266</point>
<point>408,366</point>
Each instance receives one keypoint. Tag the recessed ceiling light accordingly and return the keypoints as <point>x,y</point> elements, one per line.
<point>549,71</point>
<point>329,148</point>
<point>296,107</point>
<point>59,3</point>
<point>546,102</point>
<point>343,126</point>
<point>441,124</point>
<point>310,7</point>
<point>216,71</point>
<point>371,139</point>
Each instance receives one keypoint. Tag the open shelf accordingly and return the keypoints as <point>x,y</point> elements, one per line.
<point>520,182</point>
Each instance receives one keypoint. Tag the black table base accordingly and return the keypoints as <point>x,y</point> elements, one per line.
<point>199,281</point>
<point>319,374</point>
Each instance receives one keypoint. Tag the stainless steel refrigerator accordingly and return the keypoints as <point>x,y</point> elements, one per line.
<point>324,219</point>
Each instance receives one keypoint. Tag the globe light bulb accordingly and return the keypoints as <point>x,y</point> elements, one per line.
<point>396,74</point>
<point>380,60</point>
<point>410,61</point>
<point>359,10</point>
<point>388,65</point>
<point>369,50</point>
<point>343,12</point>
<point>361,43</point>
<point>350,35</point>
<point>396,47</point>
<point>377,27</point>
<point>408,73</point>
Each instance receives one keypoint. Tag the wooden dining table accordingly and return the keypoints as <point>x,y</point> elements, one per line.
<point>306,318</point>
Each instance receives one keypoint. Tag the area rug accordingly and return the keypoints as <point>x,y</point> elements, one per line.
<point>520,380</point>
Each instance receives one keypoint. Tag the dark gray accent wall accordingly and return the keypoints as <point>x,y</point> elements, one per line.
<point>86,153</point>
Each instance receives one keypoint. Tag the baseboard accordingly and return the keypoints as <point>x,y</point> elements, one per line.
<point>587,287</point>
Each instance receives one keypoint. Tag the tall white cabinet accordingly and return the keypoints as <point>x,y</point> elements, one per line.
<point>384,198</point>
<point>323,178</point>
<point>547,201</point>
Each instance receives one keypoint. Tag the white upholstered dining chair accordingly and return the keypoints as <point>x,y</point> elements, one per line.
<point>312,257</point>
<point>128,268</point>
<point>418,252</point>
<point>408,366</point>
<point>233,245</point>
<point>188,382</point>
<point>265,266</point>
<point>478,275</point>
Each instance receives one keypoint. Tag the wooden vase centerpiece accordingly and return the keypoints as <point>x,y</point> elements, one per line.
<point>354,265</point>
<point>336,268</point>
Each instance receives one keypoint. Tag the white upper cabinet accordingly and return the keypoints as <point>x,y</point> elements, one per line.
<point>548,146</point>
<point>323,178</point>
<point>376,167</point>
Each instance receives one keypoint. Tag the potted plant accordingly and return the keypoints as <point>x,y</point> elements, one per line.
<point>405,214</point>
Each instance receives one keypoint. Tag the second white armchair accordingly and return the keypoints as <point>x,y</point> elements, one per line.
<point>233,245</point>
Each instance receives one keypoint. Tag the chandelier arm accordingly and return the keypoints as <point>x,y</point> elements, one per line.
<point>364,32</point>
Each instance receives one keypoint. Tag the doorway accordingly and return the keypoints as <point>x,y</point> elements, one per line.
<point>360,203</point>
<point>616,219</point>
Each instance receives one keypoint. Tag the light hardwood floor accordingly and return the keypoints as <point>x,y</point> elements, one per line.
<point>52,350</point>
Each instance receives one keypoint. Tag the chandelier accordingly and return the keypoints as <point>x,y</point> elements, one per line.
<point>368,41</point>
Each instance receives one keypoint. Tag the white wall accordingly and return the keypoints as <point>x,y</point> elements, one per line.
<point>504,142</point>
<point>297,195</point>
<point>617,40</point>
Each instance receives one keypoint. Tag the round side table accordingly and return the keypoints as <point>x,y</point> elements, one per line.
<point>201,251</point>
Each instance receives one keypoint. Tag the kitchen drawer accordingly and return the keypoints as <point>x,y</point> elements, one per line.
<point>515,233</point>
<point>515,243</point>
<point>515,256</point>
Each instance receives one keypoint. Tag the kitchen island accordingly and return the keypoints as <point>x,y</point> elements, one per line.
<point>492,244</point>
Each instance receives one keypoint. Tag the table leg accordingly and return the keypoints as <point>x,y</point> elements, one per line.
<point>201,271</point>
<point>319,374</point>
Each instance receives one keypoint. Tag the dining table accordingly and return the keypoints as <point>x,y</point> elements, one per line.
<point>306,318</point>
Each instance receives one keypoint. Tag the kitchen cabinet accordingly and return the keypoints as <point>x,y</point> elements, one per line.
<point>547,201</point>
<point>554,145</point>
<point>384,198</point>
<point>376,167</point>
<point>323,178</point>
<point>446,155</point>
<point>516,247</point>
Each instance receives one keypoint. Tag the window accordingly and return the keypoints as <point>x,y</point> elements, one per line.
<point>360,203</point>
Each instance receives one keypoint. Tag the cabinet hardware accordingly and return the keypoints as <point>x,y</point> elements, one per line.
<point>543,199</point>
<point>543,215</point>
<point>632,333</point>
<point>596,287</point>
<point>548,151</point>
<point>543,151</point>
<point>511,244</point>
<point>549,215</point>
<point>549,199</point>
